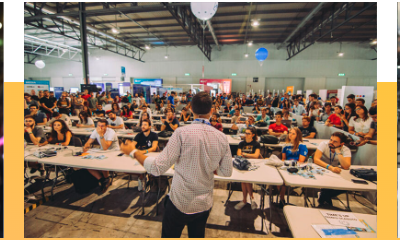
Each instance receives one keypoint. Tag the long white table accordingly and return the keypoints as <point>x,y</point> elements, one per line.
<point>300,220</point>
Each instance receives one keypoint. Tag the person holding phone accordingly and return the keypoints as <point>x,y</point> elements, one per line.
<point>331,155</point>
<point>170,123</point>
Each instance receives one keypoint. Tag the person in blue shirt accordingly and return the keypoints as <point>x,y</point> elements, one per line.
<point>294,149</point>
<point>263,116</point>
<point>171,98</point>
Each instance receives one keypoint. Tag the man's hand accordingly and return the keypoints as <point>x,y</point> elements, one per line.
<point>100,132</point>
<point>362,143</point>
<point>335,169</point>
<point>127,147</point>
<point>28,129</point>
<point>162,120</point>
<point>86,148</point>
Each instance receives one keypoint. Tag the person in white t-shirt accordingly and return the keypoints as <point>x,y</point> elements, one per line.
<point>330,155</point>
<point>85,121</point>
<point>57,116</point>
<point>108,140</point>
<point>115,122</point>
<point>359,125</point>
<point>137,99</point>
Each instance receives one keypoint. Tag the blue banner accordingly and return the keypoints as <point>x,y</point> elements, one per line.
<point>149,82</point>
<point>58,91</point>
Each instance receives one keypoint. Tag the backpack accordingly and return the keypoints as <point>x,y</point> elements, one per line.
<point>261,123</point>
<point>165,134</point>
<point>241,163</point>
<point>83,181</point>
<point>367,174</point>
<point>269,139</point>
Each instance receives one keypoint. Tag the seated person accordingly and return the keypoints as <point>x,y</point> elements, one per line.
<point>232,111</point>
<point>217,116</point>
<point>108,140</point>
<point>298,109</point>
<point>359,125</point>
<point>214,122</point>
<point>87,109</point>
<point>170,123</point>
<point>35,135</point>
<point>60,134</point>
<point>325,115</point>
<point>185,116</point>
<point>99,111</point>
<point>126,112</point>
<point>249,148</point>
<point>330,155</point>
<point>277,128</point>
<point>256,109</point>
<point>263,116</point>
<point>146,141</point>
<point>286,115</point>
<point>145,108</point>
<point>85,121</point>
<point>58,116</point>
<point>335,119</point>
<point>306,130</point>
<point>360,102</point>
<point>371,136</point>
<point>132,106</point>
<point>272,109</point>
<point>227,108</point>
<point>40,117</point>
<point>236,117</point>
<point>115,122</point>
<point>115,108</point>
<point>295,150</point>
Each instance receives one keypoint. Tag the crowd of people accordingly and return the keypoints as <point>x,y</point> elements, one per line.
<point>353,117</point>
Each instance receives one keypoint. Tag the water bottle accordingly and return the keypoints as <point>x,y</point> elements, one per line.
<point>309,163</point>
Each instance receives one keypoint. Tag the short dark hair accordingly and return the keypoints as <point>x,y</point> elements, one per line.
<point>102,120</point>
<point>340,135</point>
<point>332,97</point>
<point>27,95</point>
<point>201,103</point>
<point>45,90</point>
<point>147,120</point>
<point>279,113</point>
<point>373,110</point>
<point>314,95</point>
<point>361,100</point>
<point>33,105</point>
<point>56,114</point>
<point>307,118</point>
<point>31,117</point>
<point>328,104</point>
<point>253,130</point>
<point>351,96</point>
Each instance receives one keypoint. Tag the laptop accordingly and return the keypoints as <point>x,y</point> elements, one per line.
<point>287,123</point>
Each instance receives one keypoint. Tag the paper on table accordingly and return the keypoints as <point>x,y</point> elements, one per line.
<point>342,219</point>
<point>330,231</point>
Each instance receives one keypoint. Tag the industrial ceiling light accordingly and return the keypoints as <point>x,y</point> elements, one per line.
<point>166,53</point>
<point>147,47</point>
<point>340,53</point>
<point>374,42</point>
<point>246,55</point>
<point>65,50</point>
<point>166,56</point>
<point>250,43</point>
<point>115,30</point>
<point>255,23</point>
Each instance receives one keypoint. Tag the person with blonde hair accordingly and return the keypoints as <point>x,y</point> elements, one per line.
<point>295,150</point>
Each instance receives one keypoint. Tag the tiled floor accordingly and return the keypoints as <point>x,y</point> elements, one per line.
<point>117,213</point>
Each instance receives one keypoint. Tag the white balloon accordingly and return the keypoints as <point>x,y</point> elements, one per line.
<point>40,64</point>
<point>204,10</point>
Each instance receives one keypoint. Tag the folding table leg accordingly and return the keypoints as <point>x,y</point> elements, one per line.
<point>305,197</point>
<point>288,191</point>
<point>229,194</point>
<point>158,194</point>
<point>348,202</point>
<point>54,183</point>
<point>144,193</point>
<point>270,207</point>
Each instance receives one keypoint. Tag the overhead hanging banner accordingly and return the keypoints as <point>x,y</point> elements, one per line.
<point>225,85</point>
<point>149,81</point>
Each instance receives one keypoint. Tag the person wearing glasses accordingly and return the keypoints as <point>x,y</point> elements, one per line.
<point>359,125</point>
<point>249,148</point>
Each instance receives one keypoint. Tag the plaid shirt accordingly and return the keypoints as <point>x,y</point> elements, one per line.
<point>197,151</point>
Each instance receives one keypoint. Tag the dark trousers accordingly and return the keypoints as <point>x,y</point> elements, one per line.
<point>328,194</point>
<point>174,221</point>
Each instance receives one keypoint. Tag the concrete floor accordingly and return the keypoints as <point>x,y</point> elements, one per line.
<point>117,213</point>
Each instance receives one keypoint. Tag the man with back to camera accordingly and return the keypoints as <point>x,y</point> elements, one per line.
<point>197,146</point>
<point>114,121</point>
<point>171,98</point>
<point>329,155</point>
<point>307,130</point>
<point>108,140</point>
<point>277,128</point>
<point>351,98</point>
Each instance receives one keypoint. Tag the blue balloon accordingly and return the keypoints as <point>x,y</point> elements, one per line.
<point>261,54</point>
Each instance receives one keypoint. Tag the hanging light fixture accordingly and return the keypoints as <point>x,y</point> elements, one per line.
<point>250,43</point>
<point>255,23</point>
<point>246,55</point>
<point>166,54</point>
<point>340,53</point>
